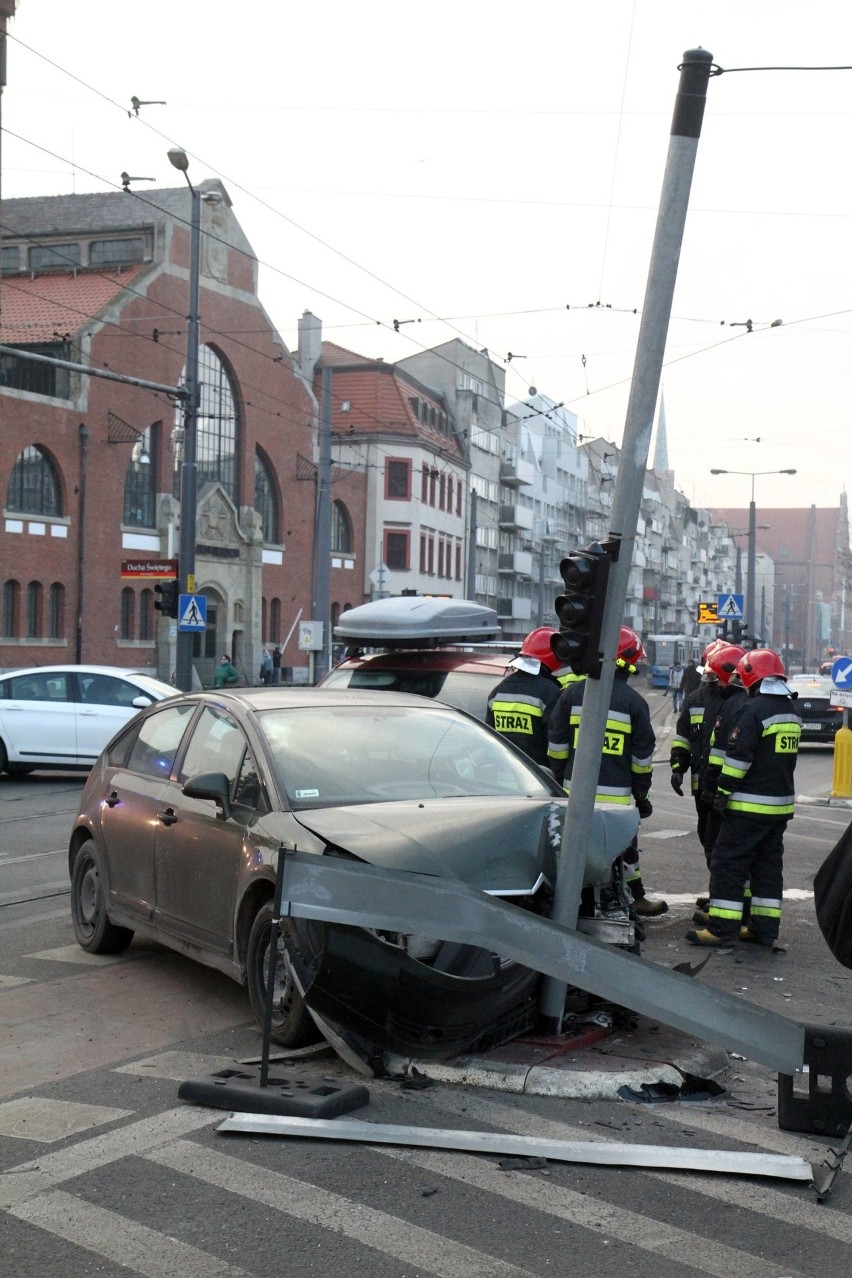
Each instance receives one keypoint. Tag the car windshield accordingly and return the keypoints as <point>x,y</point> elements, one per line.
<point>336,755</point>
<point>815,685</point>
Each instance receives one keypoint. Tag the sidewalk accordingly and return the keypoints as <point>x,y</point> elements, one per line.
<point>591,1065</point>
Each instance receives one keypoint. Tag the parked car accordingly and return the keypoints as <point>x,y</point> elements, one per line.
<point>63,716</point>
<point>820,720</point>
<point>441,648</point>
<point>181,821</point>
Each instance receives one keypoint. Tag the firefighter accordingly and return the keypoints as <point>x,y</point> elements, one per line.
<point>627,762</point>
<point>691,741</point>
<point>729,696</point>
<point>520,706</point>
<point>755,799</point>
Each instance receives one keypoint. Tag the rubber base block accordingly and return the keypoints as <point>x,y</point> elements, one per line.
<point>296,1095</point>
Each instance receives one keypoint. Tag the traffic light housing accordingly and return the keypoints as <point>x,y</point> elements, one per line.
<point>580,609</point>
<point>167,603</point>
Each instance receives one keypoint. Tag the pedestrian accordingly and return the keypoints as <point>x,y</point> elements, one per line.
<point>226,673</point>
<point>675,677</point>
<point>626,767</point>
<point>519,708</point>
<point>691,680</point>
<point>755,799</point>
<point>266,668</point>
<point>276,664</point>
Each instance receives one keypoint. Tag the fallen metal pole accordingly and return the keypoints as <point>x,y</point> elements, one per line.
<point>360,895</point>
<point>627,497</point>
<point>609,1153</point>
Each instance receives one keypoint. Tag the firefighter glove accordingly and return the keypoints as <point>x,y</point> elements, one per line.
<point>643,805</point>
<point>720,802</point>
<point>677,782</point>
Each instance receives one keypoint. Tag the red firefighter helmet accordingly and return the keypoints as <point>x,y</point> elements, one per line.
<point>713,646</point>
<point>722,662</point>
<point>630,649</point>
<point>537,645</point>
<point>762,663</point>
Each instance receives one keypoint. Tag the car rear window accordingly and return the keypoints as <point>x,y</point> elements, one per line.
<point>466,691</point>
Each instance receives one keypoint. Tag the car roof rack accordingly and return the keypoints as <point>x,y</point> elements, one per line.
<point>417,621</point>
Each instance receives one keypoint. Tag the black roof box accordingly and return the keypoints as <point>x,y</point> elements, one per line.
<point>414,621</point>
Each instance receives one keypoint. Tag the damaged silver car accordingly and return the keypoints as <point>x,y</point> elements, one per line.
<point>184,815</point>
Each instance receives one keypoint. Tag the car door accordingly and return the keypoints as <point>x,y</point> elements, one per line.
<point>197,850</point>
<point>38,718</point>
<point>104,703</point>
<point>134,804</point>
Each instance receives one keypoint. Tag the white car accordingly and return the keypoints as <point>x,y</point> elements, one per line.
<point>63,716</point>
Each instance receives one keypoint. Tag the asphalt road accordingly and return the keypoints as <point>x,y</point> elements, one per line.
<point>103,1171</point>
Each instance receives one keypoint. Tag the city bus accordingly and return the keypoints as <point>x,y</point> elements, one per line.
<point>664,650</point>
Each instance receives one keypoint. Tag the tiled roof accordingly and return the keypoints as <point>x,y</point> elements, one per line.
<point>339,357</point>
<point>43,307</point>
<point>108,211</point>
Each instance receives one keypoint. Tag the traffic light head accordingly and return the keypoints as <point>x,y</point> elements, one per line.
<point>167,601</point>
<point>580,609</point>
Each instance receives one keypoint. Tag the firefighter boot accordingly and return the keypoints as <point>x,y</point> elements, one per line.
<point>704,937</point>
<point>701,917</point>
<point>752,938</point>
<point>648,909</point>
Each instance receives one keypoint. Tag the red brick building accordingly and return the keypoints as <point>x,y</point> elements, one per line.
<point>90,468</point>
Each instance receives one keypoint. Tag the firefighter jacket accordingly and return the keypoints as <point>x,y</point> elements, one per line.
<point>730,703</point>
<point>627,760</point>
<point>684,752</point>
<point>565,675</point>
<point>519,709</point>
<point>760,759</point>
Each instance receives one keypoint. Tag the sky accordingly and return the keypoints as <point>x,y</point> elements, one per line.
<point>492,171</point>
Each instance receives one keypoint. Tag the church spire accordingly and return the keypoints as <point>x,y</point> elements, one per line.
<point>661,445</point>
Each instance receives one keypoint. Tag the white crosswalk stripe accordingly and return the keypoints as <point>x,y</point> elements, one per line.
<point>421,1248</point>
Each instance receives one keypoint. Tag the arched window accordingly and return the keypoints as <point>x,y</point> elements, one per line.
<point>11,609</point>
<point>140,484</point>
<point>34,484</point>
<point>34,599</point>
<point>341,529</point>
<point>266,498</point>
<point>56,611</point>
<point>216,426</point>
<point>128,613</point>
<point>146,614</point>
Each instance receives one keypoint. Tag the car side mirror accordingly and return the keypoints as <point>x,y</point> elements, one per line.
<point>211,785</point>
<point>140,702</point>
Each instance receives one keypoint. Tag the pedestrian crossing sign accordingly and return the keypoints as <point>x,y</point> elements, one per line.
<point>192,612</point>
<point>730,607</point>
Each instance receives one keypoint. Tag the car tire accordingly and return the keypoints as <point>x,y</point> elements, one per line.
<point>94,930</point>
<point>292,1025</point>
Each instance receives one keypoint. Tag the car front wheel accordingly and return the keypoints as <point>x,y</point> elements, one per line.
<point>92,926</point>
<point>292,1025</point>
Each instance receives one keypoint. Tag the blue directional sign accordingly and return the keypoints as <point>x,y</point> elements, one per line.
<point>841,672</point>
<point>192,612</point>
<point>729,607</point>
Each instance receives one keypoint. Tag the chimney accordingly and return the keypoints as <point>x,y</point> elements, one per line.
<point>310,345</point>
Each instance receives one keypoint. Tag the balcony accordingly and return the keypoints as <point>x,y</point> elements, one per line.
<point>514,609</point>
<point>514,471</point>
<point>518,562</point>
<point>516,517</point>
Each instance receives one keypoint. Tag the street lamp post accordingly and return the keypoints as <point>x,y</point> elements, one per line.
<point>752,528</point>
<point>189,464</point>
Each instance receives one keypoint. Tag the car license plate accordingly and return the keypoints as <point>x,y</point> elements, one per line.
<point>811,727</point>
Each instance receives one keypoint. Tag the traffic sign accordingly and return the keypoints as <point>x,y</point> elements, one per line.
<point>841,672</point>
<point>841,698</point>
<point>707,614</point>
<point>730,607</point>
<point>149,567</point>
<point>380,576</point>
<point>192,612</point>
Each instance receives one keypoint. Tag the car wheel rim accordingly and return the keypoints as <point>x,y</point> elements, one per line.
<point>89,896</point>
<point>282,990</point>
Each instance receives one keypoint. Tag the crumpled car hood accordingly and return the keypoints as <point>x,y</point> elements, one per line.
<point>497,845</point>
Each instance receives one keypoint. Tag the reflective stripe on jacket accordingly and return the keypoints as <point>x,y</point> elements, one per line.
<point>760,759</point>
<point>627,759</point>
<point>519,709</point>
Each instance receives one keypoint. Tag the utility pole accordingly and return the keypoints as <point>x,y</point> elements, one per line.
<point>471,548</point>
<point>322,531</point>
<point>656,313</point>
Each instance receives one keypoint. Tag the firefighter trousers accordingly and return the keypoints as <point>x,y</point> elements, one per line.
<point>747,851</point>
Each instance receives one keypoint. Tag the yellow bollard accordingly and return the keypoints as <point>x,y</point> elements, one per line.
<point>842,784</point>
